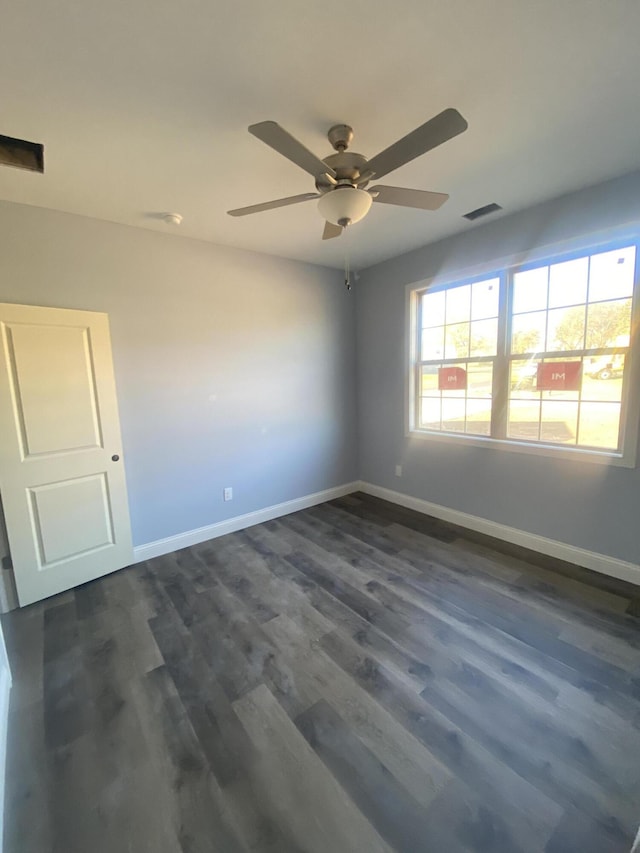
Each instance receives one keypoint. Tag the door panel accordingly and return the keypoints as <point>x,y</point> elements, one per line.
<point>47,358</point>
<point>64,496</point>
<point>71,519</point>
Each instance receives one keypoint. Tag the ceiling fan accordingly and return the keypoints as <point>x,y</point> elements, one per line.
<point>341,178</point>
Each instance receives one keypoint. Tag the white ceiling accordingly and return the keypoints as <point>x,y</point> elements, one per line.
<point>143,107</point>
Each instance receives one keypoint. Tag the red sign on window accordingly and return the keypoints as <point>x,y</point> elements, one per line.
<point>452,379</point>
<point>559,376</point>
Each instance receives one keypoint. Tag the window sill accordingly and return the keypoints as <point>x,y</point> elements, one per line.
<point>573,454</point>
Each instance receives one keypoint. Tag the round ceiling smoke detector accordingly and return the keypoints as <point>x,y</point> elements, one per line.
<point>172,218</point>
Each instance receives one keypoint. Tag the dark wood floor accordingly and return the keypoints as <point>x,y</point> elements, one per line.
<point>354,677</point>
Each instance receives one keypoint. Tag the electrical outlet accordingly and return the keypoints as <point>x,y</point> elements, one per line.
<point>398,470</point>
<point>228,493</point>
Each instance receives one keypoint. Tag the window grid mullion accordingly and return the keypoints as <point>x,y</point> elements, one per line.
<point>500,387</point>
<point>631,367</point>
<point>584,342</point>
<point>504,359</point>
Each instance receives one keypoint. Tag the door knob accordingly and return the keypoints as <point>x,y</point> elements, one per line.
<point>115,457</point>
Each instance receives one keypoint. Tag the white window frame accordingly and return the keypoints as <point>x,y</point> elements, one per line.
<point>504,270</point>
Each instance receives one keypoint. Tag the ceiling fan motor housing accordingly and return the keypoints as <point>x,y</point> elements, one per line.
<point>348,167</point>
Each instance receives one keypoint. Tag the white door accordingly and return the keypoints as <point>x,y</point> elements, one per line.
<point>61,470</point>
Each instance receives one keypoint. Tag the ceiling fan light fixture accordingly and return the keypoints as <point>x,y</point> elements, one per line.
<point>344,205</point>
<point>340,178</point>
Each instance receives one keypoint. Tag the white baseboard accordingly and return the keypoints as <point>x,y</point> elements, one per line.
<point>239,522</point>
<point>551,547</point>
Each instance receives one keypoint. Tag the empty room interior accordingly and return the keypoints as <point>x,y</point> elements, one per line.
<point>319,426</point>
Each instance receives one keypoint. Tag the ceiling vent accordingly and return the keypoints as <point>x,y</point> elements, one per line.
<point>21,154</point>
<point>481,211</point>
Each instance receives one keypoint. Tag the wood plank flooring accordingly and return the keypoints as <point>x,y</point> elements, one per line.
<point>353,677</point>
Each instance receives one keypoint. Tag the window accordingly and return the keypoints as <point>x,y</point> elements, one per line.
<point>534,355</point>
<point>459,345</point>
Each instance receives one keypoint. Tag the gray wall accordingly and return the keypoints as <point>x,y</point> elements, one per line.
<point>233,368</point>
<point>596,507</point>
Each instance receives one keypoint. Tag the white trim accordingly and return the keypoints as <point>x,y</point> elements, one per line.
<point>5,692</point>
<point>551,547</point>
<point>508,265</point>
<point>579,556</point>
<point>239,522</point>
<point>410,358</point>
<point>559,451</point>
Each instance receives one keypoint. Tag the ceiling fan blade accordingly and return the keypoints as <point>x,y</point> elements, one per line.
<point>437,130</point>
<point>408,198</point>
<point>270,205</point>
<point>281,141</point>
<point>331,230</point>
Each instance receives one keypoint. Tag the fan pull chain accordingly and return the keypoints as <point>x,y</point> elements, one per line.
<point>347,265</point>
